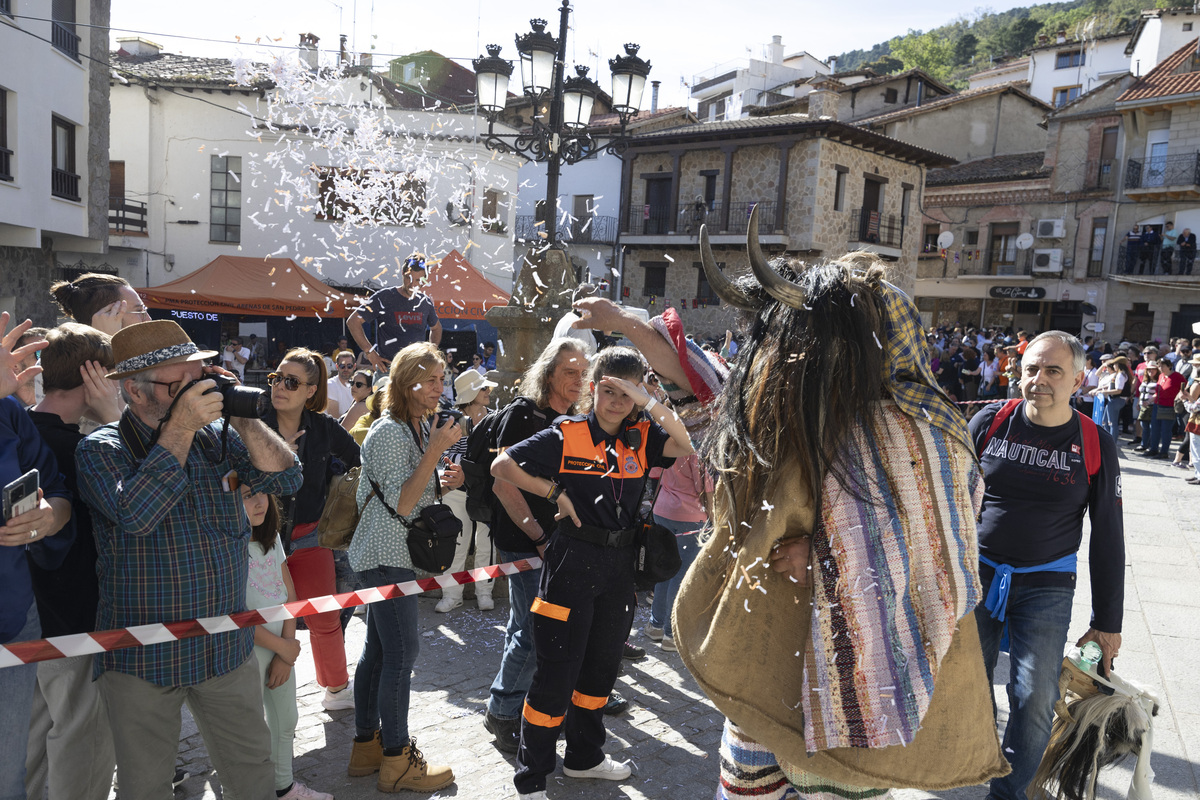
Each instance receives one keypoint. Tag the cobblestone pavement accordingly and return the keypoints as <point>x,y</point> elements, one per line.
<point>671,731</point>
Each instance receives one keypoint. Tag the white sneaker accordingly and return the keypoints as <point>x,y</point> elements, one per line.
<point>607,769</point>
<point>486,603</point>
<point>447,604</point>
<point>668,644</point>
<point>655,634</point>
<point>532,796</point>
<point>339,701</point>
<point>301,792</point>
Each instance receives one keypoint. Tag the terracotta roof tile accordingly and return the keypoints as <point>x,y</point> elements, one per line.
<point>1172,77</point>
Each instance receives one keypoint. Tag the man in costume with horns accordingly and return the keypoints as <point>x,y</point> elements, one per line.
<point>843,560</point>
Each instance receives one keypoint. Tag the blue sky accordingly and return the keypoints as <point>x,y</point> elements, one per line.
<point>680,39</point>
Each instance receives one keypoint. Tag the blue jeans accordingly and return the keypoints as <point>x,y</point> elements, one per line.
<point>664,593</point>
<point>1038,619</point>
<point>1160,433</point>
<point>517,663</point>
<point>16,689</point>
<point>383,677</point>
<point>1112,415</point>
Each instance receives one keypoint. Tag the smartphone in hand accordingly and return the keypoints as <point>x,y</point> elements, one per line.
<point>21,496</point>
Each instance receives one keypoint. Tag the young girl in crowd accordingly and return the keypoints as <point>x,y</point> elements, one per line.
<point>275,645</point>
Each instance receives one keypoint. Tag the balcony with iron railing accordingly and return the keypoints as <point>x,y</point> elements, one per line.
<point>872,227</point>
<point>685,220</point>
<point>64,184</point>
<point>1163,177</point>
<point>998,261</point>
<point>590,230</point>
<point>1150,261</point>
<point>6,164</point>
<point>64,38</point>
<point>126,216</point>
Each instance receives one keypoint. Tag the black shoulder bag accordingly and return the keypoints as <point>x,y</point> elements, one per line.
<point>433,536</point>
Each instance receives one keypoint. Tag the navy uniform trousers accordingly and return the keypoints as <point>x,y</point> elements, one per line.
<point>581,619</point>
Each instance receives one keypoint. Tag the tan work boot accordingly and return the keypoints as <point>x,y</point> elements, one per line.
<point>365,757</point>
<point>409,771</point>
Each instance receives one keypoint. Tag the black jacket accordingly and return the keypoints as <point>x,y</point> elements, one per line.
<point>324,440</point>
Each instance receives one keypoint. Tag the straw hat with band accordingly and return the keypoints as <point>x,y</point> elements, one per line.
<point>149,345</point>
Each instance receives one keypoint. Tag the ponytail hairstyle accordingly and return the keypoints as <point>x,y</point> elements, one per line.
<point>313,364</point>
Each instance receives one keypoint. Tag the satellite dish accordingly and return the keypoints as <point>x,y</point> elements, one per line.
<point>1025,241</point>
<point>945,239</point>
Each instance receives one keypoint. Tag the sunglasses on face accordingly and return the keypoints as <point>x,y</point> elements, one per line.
<point>289,382</point>
<point>359,384</point>
<point>346,366</point>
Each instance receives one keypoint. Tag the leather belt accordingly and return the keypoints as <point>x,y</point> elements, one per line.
<point>600,536</point>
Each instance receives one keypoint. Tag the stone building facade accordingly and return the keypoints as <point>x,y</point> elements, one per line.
<point>822,189</point>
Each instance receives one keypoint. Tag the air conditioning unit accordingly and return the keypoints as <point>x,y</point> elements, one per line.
<point>1047,260</point>
<point>1050,229</point>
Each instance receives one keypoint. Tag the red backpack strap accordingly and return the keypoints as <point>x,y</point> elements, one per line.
<point>1091,445</point>
<point>1004,412</point>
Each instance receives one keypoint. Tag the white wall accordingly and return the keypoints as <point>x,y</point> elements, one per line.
<point>41,82</point>
<point>1161,37</point>
<point>599,177</point>
<point>167,138</point>
<point>1103,61</point>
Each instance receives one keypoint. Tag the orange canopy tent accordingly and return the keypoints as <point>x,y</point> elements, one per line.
<point>459,291</point>
<point>273,287</point>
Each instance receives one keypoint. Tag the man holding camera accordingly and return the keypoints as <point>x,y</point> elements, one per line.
<point>172,543</point>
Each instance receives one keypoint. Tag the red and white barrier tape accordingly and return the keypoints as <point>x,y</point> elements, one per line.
<point>81,644</point>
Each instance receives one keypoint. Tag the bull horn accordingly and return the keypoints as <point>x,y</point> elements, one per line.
<point>776,285</point>
<point>725,289</point>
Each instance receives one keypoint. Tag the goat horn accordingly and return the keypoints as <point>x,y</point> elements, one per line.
<point>776,285</point>
<point>725,289</point>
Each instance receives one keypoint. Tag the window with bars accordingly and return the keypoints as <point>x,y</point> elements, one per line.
<point>5,152</point>
<point>655,284</point>
<point>1096,252</point>
<point>225,203</point>
<point>64,180</point>
<point>371,197</point>
<point>495,202</point>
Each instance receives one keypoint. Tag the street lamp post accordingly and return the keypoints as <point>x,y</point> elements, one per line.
<point>562,137</point>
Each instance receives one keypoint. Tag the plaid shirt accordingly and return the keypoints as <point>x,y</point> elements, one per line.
<point>173,545</point>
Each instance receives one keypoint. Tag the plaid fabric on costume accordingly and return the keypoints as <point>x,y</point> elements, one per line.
<point>172,546</point>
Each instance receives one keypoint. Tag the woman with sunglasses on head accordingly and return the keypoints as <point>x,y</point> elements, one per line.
<point>298,398</point>
<point>400,458</point>
<point>360,389</point>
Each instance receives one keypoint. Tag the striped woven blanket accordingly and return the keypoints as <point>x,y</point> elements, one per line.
<point>895,568</point>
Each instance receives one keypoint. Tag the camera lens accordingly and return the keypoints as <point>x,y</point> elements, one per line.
<point>244,401</point>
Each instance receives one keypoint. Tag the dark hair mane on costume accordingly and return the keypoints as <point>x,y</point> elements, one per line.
<point>803,381</point>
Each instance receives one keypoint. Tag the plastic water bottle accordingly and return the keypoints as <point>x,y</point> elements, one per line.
<point>1089,656</point>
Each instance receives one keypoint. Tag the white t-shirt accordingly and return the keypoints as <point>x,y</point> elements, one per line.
<point>340,398</point>
<point>229,360</point>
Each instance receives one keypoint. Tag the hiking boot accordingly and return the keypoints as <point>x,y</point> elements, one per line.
<point>410,771</point>
<point>365,757</point>
<point>506,731</point>
<point>633,652</point>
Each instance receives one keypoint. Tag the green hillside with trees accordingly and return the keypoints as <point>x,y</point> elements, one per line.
<point>974,41</point>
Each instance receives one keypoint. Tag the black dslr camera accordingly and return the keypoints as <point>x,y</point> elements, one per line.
<point>239,401</point>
